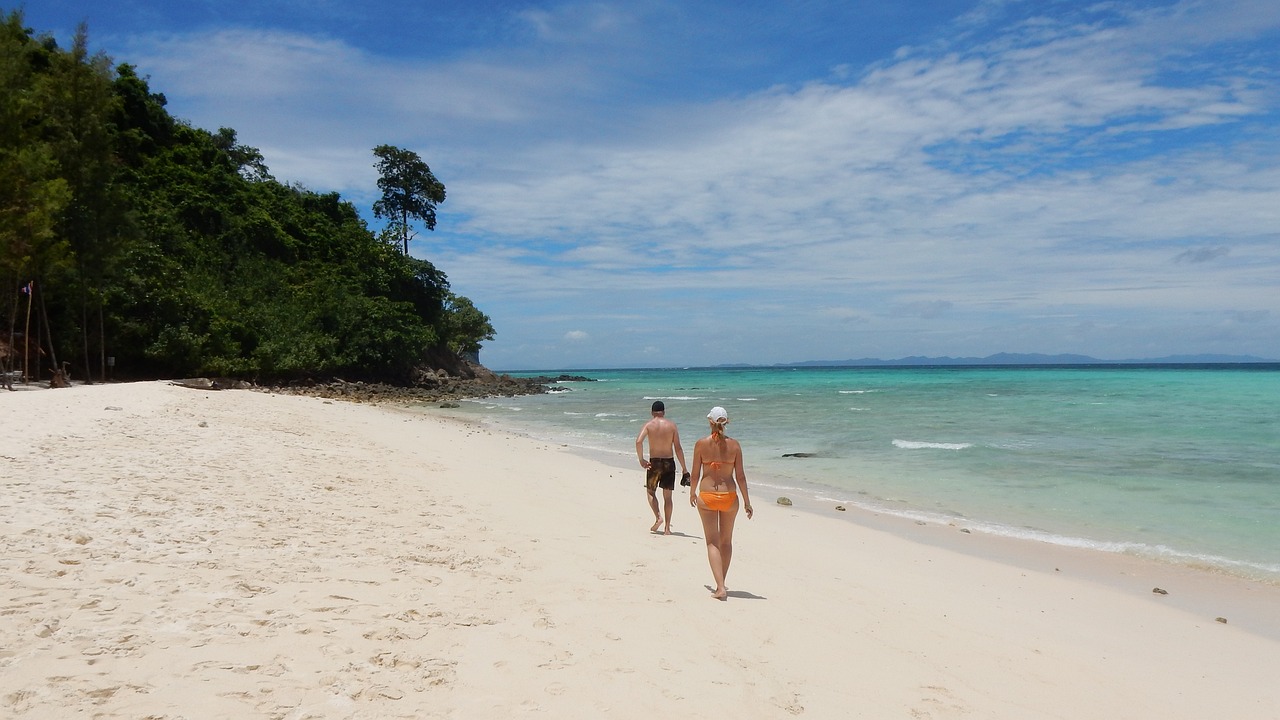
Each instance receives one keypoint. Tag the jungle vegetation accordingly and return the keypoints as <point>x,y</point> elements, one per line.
<point>127,233</point>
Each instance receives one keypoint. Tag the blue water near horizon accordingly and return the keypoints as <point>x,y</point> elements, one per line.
<point>1176,463</point>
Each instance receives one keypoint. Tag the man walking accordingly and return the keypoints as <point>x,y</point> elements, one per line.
<point>660,468</point>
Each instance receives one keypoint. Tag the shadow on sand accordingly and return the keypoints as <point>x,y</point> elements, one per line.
<point>676,533</point>
<point>740,594</point>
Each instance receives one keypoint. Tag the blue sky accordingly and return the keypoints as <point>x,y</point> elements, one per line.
<point>655,183</point>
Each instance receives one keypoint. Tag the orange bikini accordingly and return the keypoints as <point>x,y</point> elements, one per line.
<point>718,501</point>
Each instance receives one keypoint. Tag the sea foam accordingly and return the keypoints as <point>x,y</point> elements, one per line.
<point>915,445</point>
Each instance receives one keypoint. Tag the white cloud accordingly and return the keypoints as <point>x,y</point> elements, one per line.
<point>1054,177</point>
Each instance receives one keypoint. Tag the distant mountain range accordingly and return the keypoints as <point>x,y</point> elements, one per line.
<point>1033,359</point>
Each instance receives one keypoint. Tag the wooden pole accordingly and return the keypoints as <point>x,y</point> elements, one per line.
<point>26,335</point>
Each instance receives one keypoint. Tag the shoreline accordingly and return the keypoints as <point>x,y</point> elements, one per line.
<point>171,551</point>
<point>1207,592</point>
<point>1070,459</point>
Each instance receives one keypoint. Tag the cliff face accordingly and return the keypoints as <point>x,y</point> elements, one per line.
<point>440,361</point>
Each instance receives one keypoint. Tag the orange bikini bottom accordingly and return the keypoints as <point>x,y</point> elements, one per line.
<point>718,501</point>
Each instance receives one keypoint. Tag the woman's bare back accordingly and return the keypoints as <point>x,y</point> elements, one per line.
<point>719,459</point>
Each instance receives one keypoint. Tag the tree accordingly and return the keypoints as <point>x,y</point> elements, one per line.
<point>33,196</point>
<point>83,139</point>
<point>465,325</point>
<point>409,191</point>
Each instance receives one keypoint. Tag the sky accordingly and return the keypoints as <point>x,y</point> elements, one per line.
<point>654,183</point>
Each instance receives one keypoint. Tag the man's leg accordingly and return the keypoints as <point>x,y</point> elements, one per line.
<point>653,505</point>
<point>666,504</point>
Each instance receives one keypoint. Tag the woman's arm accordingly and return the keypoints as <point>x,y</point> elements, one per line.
<point>695,474</point>
<point>740,475</point>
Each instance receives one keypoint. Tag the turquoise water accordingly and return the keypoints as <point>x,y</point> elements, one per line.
<point>1180,463</point>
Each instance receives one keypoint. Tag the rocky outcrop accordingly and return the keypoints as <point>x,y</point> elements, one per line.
<point>441,390</point>
<point>562,378</point>
<point>443,377</point>
<point>463,381</point>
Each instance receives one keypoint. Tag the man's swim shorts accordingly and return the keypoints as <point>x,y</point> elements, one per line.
<point>661,474</point>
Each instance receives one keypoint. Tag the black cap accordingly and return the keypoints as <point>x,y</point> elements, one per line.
<point>658,406</point>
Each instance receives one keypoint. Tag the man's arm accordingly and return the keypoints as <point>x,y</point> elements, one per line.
<point>644,432</point>
<point>675,443</point>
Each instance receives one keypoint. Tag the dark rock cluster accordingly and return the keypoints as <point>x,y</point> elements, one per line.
<point>445,383</point>
<point>443,388</point>
<point>561,378</point>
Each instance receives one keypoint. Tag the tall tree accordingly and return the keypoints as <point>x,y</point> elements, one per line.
<point>409,191</point>
<point>83,139</point>
<point>32,194</point>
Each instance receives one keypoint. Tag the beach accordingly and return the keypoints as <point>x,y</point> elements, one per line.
<point>171,553</point>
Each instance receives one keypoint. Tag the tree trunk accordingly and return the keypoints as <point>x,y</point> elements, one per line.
<point>404,230</point>
<point>84,333</point>
<point>48,332</point>
<point>102,345</point>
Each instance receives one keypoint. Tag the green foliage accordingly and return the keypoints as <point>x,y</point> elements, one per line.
<point>465,326</point>
<point>174,250</point>
<point>33,194</point>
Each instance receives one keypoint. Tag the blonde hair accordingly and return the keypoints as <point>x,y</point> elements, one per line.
<point>717,428</point>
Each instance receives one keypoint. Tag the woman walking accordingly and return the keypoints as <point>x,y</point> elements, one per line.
<point>718,479</point>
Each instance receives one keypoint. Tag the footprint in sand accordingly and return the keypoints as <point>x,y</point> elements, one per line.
<point>250,590</point>
<point>561,660</point>
<point>790,702</point>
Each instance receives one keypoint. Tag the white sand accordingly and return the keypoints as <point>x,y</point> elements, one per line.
<point>175,553</point>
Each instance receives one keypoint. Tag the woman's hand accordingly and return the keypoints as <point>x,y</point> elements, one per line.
<point>749,513</point>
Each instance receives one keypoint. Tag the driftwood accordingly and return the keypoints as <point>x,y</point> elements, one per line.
<point>212,384</point>
<point>61,378</point>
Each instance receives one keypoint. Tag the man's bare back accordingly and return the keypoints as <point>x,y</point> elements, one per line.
<point>662,435</point>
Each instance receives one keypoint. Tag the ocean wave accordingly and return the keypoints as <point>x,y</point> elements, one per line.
<point>1164,553</point>
<point>916,445</point>
<point>671,397</point>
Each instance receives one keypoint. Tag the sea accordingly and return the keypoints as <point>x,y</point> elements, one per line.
<point>1176,463</point>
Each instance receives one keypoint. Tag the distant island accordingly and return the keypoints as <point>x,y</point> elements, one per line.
<point>1032,359</point>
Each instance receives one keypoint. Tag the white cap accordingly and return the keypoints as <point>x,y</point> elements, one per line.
<point>717,413</point>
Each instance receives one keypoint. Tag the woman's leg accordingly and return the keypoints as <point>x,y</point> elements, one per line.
<point>711,531</point>
<point>727,518</point>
